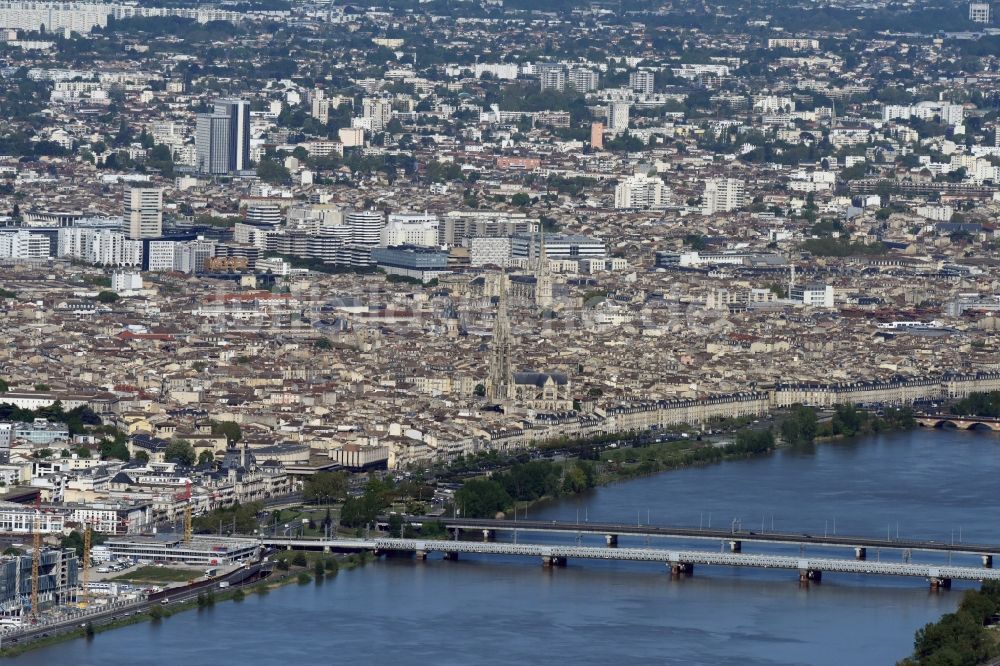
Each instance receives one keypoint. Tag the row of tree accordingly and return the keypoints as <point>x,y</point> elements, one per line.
<point>979,404</point>
<point>961,637</point>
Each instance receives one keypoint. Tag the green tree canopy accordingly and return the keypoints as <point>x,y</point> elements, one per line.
<point>180,451</point>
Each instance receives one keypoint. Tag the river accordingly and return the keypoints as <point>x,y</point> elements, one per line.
<point>934,485</point>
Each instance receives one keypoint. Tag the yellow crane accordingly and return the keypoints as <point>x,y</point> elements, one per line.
<point>36,555</point>
<point>86,566</point>
<point>187,513</point>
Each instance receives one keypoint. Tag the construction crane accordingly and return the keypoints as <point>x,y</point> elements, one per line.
<point>86,565</point>
<point>36,555</point>
<point>187,512</point>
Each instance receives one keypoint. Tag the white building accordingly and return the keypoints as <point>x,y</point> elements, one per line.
<point>813,295</point>
<point>24,245</point>
<point>484,251</point>
<point>558,246</point>
<point>122,281</point>
<point>618,116</point>
<point>642,82</point>
<point>722,195</point>
<point>55,16</point>
<point>143,212</point>
<point>980,12</point>
<point>161,255</point>
<point>950,114</point>
<point>99,246</point>
<point>583,80</point>
<point>640,191</point>
<point>377,112</point>
<point>365,227</point>
<point>402,229</point>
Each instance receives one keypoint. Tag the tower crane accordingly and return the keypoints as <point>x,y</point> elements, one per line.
<point>86,565</point>
<point>36,555</point>
<point>187,512</point>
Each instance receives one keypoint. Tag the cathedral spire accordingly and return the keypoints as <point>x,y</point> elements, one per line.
<point>543,276</point>
<point>500,380</point>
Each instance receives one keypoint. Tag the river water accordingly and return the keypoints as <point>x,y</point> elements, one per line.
<point>937,485</point>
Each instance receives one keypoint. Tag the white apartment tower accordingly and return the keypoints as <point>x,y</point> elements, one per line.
<point>552,77</point>
<point>639,192</point>
<point>583,80</point>
<point>379,111</point>
<point>642,82</point>
<point>143,212</point>
<point>722,195</point>
<point>365,226</point>
<point>618,116</point>
<point>980,12</point>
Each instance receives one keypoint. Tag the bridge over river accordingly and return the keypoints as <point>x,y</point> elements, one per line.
<point>734,537</point>
<point>678,561</point>
<point>960,422</point>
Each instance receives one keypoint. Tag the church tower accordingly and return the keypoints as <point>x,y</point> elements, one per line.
<point>500,380</point>
<point>543,277</point>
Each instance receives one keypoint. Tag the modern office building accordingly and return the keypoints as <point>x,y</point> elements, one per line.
<point>486,251</point>
<point>264,214</point>
<point>222,138</point>
<point>57,579</point>
<point>558,246</point>
<point>419,263</point>
<point>143,212</point>
<point>403,229</point>
<point>815,295</point>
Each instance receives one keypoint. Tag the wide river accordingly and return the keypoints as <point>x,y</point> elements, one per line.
<point>939,485</point>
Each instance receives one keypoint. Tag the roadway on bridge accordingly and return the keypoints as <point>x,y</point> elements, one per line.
<point>660,555</point>
<point>716,534</point>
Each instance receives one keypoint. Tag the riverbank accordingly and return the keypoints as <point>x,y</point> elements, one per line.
<point>515,484</point>
<point>302,574</point>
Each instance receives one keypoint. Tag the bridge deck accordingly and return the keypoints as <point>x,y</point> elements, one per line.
<point>651,555</point>
<point>713,534</point>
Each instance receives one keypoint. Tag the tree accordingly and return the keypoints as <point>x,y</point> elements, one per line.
<point>272,171</point>
<point>520,199</point>
<point>180,451</point>
<point>4,386</point>
<point>325,486</point>
<point>482,498</point>
<point>107,297</point>
<point>206,457</point>
<point>230,429</point>
<point>142,456</point>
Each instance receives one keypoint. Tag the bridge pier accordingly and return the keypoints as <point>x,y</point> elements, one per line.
<point>326,549</point>
<point>735,546</point>
<point>940,583</point>
<point>549,561</point>
<point>988,561</point>
<point>611,540</point>
<point>489,535</point>
<point>807,575</point>
<point>678,568</point>
<point>420,555</point>
<point>451,555</point>
<point>860,553</point>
